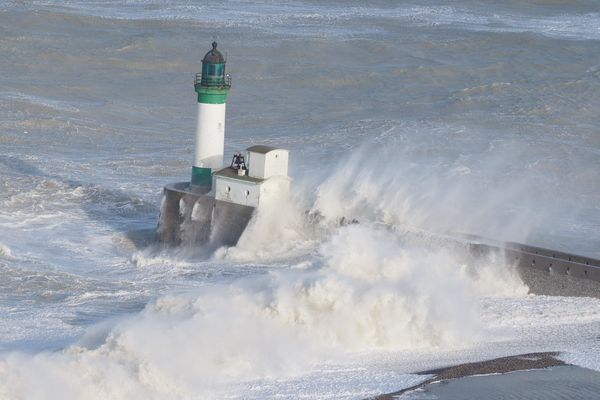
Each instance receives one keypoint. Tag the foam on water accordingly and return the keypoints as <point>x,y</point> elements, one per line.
<point>5,251</point>
<point>53,104</point>
<point>331,298</point>
<point>365,290</point>
<point>366,287</point>
<point>298,17</point>
<point>330,293</point>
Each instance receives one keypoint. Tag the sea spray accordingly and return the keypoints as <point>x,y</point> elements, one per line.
<point>449,193</point>
<point>366,289</point>
<point>380,284</point>
<point>279,229</point>
<point>5,251</point>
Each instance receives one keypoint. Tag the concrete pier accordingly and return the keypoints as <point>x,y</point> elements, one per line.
<point>191,217</point>
<point>544,271</point>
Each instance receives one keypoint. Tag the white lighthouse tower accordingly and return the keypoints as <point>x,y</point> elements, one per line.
<point>212,86</point>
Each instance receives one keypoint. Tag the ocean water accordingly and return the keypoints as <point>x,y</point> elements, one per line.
<point>412,117</point>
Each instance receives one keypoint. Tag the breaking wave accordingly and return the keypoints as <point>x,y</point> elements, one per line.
<point>5,251</point>
<point>365,289</point>
<point>380,284</point>
<point>301,18</point>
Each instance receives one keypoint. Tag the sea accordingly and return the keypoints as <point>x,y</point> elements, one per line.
<point>417,119</point>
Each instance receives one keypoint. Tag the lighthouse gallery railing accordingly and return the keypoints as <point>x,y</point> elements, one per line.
<point>222,83</point>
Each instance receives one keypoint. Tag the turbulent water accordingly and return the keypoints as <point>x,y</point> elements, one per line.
<point>413,118</point>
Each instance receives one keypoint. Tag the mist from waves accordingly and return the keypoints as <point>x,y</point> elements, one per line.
<point>487,194</point>
<point>347,289</point>
<point>365,290</point>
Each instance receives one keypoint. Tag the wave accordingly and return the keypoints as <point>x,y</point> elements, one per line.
<point>39,197</point>
<point>300,17</point>
<point>333,292</point>
<point>365,290</point>
<point>57,105</point>
<point>5,251</point>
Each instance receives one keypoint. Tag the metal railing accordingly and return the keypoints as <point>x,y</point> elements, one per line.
<point>224,82</point>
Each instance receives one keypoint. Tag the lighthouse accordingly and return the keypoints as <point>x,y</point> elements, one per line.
<point>212,87</point>
<point>215,206</point>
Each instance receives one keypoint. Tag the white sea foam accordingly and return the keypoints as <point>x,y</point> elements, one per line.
<point>54,104</point>
<point>151,257</point>
<point>586,357</point>
<point>5,251</point>
<point>366,290</point>
<point>297,17</point>
<point>400,190</point>
<point>366,287</point>
<point>272,235</point>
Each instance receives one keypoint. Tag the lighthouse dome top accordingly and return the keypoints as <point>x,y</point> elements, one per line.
<point>214,56</point>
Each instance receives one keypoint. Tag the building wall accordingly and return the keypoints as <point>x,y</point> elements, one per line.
<point>256,165</point>
<point>276,163</point>
<point>237,191</point>
<point>264,166</point>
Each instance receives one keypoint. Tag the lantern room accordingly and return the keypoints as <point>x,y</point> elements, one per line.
<point>213,68</point>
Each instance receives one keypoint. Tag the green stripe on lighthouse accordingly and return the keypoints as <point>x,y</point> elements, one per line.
<point>212,95</point>
<point>201,176</point>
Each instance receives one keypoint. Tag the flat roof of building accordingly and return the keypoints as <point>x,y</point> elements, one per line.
<point>261,149</point>
<point>233,174</point>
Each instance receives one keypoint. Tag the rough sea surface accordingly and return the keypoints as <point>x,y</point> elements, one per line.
<point>412,117</point>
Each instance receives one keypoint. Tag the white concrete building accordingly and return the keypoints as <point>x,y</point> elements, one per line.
<point>266,176</point>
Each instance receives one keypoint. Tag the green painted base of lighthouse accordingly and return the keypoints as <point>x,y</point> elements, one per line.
<point>201,177</point>
<point>212,95</point>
